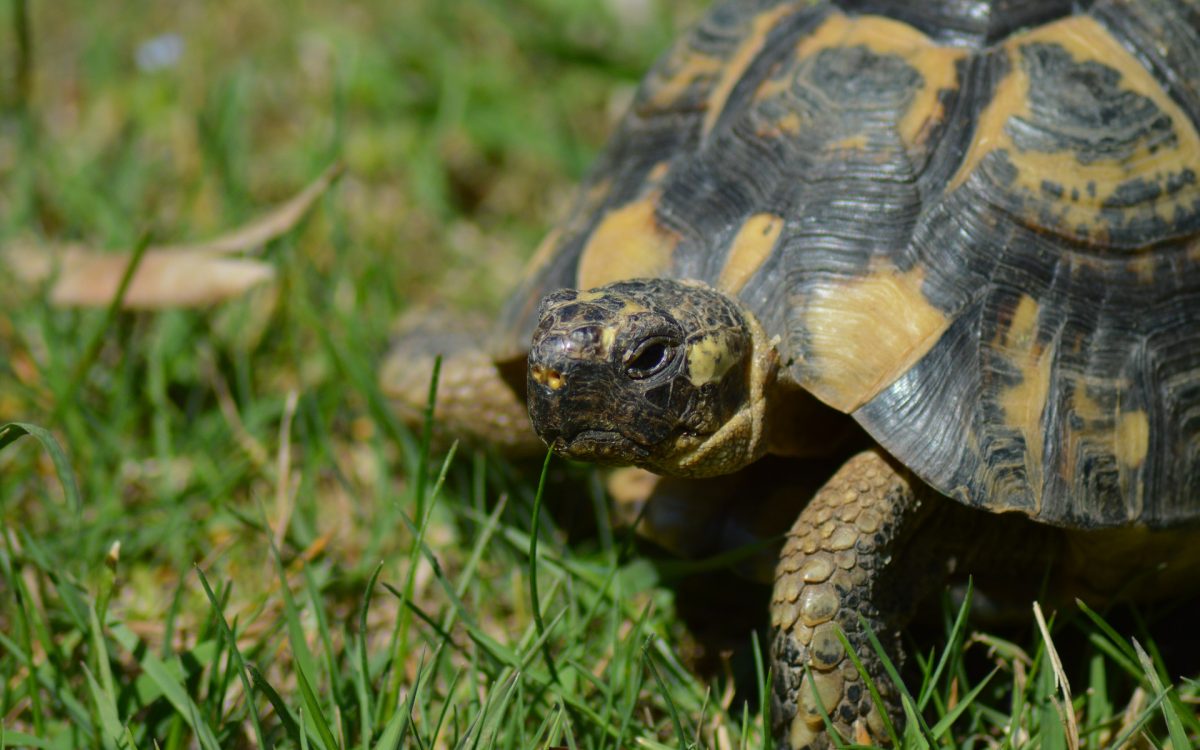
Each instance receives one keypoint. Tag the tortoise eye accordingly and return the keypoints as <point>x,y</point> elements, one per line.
<point>649,357</point>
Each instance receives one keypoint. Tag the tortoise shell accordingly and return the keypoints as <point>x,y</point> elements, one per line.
<point>974,229</point>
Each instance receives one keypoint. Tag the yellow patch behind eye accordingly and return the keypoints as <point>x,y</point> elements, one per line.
<point>708,360</point>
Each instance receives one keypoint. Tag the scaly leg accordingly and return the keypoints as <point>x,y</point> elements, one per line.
<point>850,553</point>
<point>475,401</point>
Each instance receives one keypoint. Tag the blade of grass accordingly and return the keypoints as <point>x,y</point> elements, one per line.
<point>492,710</point>
<point>943,725</point>
<point>363,672</point>
<point>66,477</point>
<point>399,647</point>
<point>762,680</point>
<point>1123,645</point>
<point>1099,707</point>
<point>1185,714</point>
<point>426,440</point>
<point>912,726</point>
<point>172,689</point>
<point>672,711</point>
<point>535,602</point>
<point>113,733</point>
<point>830,731</point>
<point>100,655</point>
<point>26,615</point>
<point>23,56</point>
<point>397,730</point>
<point>1175,728</point>
<point>1136,726</point>
<point>876,698</point>
<point>51,682</point>
<point>290,723</point>
<point>92,350</point>
<point>9,738</point>
<point>306,663</point>
<point>247,688</point>
<point>1066,707</point>
<point>952,644</point>
<point>893,674</point>
<point>315,715</point>
<point>436,728</point>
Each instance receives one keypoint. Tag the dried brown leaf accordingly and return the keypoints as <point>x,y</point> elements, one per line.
<point>162,280</point>
<point>169,276</point>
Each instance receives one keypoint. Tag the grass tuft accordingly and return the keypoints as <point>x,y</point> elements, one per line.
<point>220,535</point>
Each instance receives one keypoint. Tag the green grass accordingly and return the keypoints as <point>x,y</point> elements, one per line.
<point>214,534</point>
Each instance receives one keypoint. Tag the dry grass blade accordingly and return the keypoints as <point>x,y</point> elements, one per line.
<point>169,276</point>
<point>1066,708</point>
<point>284,493</point>
<point>267,227</point>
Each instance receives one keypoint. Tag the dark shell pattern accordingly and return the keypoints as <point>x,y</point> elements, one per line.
<point>975,229</point>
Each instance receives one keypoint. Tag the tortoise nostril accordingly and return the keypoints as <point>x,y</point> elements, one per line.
<point>546,376</point>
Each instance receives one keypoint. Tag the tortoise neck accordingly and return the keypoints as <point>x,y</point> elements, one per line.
<point>743,438</point>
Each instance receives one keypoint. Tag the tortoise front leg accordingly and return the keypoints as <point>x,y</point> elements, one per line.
<point>845,557</point>
<point>476,402</point>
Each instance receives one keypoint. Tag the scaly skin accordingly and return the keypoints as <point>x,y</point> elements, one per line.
<point>474,401</point>
<point>834,569</point>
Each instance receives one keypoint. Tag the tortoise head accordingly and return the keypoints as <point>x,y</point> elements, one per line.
<point>666,375</point>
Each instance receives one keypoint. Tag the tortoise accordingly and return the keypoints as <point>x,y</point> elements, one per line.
<point>954,245</point>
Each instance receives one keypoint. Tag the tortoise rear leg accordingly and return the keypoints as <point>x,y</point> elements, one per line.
<point>479,400</point>
<point>851,552</point>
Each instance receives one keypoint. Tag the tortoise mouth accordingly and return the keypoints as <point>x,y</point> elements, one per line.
<point>602,446</point>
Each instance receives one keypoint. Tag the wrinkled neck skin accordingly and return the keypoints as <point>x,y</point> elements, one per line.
<point>742,440</point>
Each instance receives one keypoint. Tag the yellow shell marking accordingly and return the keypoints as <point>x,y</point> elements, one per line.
<point>1085,40</point>
<point>751,246</point>
<point>731,71</point>
<point>688,68</point>
<point>864,333</point>
<point>882,36</point>
<point>1025,402</point>
<point>1126,434</point>
<point>1133,438</point>
<point>628,243</point>
<point>856,142</point>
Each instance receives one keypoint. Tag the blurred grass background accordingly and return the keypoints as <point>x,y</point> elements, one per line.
<point>248,442</point>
